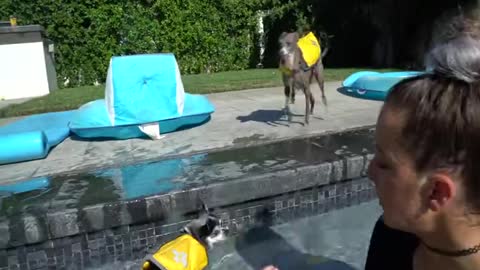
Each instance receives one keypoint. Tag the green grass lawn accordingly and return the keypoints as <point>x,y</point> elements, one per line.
<point>72,98</point>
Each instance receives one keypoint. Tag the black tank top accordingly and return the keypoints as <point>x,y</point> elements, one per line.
<point>390,249</point>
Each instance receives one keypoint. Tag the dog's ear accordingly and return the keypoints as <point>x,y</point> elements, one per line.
<point>283,35</point>
<point>204,207</point>
<point>296,36</point>
<point>203,212</point>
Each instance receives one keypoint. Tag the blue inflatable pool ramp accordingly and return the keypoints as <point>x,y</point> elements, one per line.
<point>144,97</point>
<point>372,85</point>
<point>33,136</point>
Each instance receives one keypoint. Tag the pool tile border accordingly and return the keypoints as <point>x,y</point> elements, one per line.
<point>32,229</point>
<point>134,241</point>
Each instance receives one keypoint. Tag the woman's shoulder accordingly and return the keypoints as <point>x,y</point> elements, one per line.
<point>390,248</point>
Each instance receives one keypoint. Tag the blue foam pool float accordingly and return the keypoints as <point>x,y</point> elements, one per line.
<point>141,90</point>
<point>25,186</point>
<point>372,85</point>
<point>197,111</point>
<point>33,136</point>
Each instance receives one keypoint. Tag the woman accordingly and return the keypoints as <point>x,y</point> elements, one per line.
<point>426,168</point>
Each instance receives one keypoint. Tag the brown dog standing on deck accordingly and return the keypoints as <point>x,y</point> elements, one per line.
<point>297,74</point>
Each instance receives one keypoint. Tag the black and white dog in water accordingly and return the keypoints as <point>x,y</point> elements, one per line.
<point>190,249</point>
<point>297,74</point>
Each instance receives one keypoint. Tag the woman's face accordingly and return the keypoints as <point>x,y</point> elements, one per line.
<point>392,170</point>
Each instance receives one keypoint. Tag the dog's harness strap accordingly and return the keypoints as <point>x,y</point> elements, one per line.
<point>305,69</point>
<point>149,259</point>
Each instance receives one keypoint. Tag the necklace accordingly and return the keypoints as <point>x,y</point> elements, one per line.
<point>458,253</point>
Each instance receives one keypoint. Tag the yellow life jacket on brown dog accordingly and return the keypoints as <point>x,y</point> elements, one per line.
<point>182,253</point>
<point>310,48</point>
<point>311,52</point>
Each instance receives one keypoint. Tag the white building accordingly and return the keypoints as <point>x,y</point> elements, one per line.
<point>26,62</point>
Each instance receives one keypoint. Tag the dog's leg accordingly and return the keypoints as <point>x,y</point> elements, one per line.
<point>319,76</point>
<point>287,91</point>
<point>308,99</point>
<point>308,83</point>
<point>287,94</point>
<point>307,105</point>
<point>312,100</point>
<point>292,96</point>
<point>292,91</point>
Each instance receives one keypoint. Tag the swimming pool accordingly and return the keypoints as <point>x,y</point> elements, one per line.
<point>89,219</point>
<point>336,240</point>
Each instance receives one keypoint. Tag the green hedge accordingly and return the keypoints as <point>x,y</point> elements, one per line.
<point>205,35</point>
<point>220,35</point>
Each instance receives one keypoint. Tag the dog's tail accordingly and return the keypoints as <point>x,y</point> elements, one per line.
<point>324,52</point>
<point>325,39</point>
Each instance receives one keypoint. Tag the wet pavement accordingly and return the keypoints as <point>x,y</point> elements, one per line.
<point>78,190</point>
<point>243,118</point>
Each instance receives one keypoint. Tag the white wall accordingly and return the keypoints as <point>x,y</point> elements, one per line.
<point>22,71</point>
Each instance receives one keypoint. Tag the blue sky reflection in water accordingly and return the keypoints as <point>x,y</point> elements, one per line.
<point>151,178</point>
<point>96,187</point>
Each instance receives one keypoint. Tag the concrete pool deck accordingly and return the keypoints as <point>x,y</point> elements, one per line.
<point>242,118</point>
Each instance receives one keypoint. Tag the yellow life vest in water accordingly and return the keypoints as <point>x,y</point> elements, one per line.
<point>310,47</point>
<point>182,253</point>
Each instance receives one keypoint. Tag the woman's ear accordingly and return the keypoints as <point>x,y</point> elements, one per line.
<point>442,189</point>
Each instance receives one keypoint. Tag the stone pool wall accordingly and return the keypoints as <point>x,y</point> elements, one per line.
<point>130,242</point>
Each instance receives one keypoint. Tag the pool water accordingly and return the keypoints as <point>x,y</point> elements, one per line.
<point>337,240</point>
